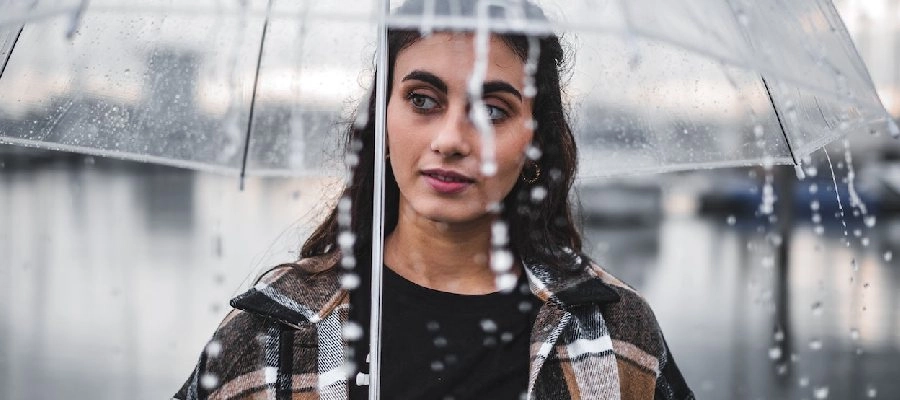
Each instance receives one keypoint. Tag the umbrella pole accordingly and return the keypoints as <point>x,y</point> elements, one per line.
<point>262,42</point>
<point>381,69</point>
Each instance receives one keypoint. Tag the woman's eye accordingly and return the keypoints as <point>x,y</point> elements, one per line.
<point>422,102</point>
<point>495,114</point>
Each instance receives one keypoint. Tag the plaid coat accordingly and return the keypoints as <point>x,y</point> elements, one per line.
<point>594,338</point>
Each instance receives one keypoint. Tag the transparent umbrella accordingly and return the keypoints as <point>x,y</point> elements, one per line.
<point>655,86</point>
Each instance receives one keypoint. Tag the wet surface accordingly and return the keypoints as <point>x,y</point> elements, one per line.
<point>113,275</point>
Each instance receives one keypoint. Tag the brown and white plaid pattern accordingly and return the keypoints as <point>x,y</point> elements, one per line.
<point>594,338</point>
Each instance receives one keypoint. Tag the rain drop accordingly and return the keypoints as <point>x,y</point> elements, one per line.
<point>501,261</point>
<point>768,262</point>
<point>864,241</point>
<point>489,168</point>
<point>857,232</point>
<point>775,353</point>
<point>525,306</point>
<point>437,366</point>
<point>209,381</point>
<point>819,229</point>
<point>490,341</point>
<point>538,194</point>
<point>488,325</point>
<point>499,234</point>
<point>813,188</point>
<point>870,221</point>
<point>814,205</point>
<point>779,335</point>
<point>346,240</point>
<point>758,131</point>
<point>817,308</point>
<point>349,281</point>
<point>803,381</point>
<point>816,218</point>
<point>815,344</point>
<point>352,331</point>
<point>888,256</point>
<point>731,220</point>
<point>440,341</point>
<point>214,348</point>
<point>433,326</point>
<point>505,282</point>
<point>821,392</point>
<point>871,393</point>
<point>506,337</point>
<point>854,334</point>
<point>533,153</point>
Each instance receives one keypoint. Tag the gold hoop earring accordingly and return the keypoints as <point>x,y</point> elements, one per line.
<point>531,173</point>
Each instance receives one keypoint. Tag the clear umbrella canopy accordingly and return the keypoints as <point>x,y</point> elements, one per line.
<point>654,86</point>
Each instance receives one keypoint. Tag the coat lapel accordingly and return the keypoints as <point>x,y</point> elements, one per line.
<point>571,352</point>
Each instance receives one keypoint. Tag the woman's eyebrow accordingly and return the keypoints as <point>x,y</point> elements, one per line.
<point>428,78</point>
<point>439,84</point>
<point>500,86</point>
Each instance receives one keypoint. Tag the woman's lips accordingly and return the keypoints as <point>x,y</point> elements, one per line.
<point>445,181</point>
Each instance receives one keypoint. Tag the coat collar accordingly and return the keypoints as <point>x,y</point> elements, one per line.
<point>309,290</point>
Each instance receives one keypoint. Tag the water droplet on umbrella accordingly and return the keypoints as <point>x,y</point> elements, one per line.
<point>533,153</point>
<point>538,194</point>
<point>501,261</point>
<point>213,348</point>
<point>209,381</point>
<point>525,306</point>
<point>352,331</point>
<point>350,281</point>
<point>815,344</point>
<point>870,221</point>
<point>731,220</point>
<point>779,335</point>
<point>488,325</point>
<point>817,308</point>
<point>854,265</point>
<point>821,392</point>
<point>489,168</point>
<point>871,393</point>
<point>888,256</point>
<point>866,285</point>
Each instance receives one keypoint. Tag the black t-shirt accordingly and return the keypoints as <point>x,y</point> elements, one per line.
<point>439,345</point>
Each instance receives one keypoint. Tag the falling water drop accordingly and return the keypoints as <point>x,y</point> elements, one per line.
<point>352,331</point>
<point>213,348</point>
<point>869,221</point>
<point>775,353</point>
<point>815,344</point>
<point>209,381</point>
<point>349,281</point>
<point>817,308</point>
<point>731,220</point>
<point>888,256</point>
<point>488,325</point>
<point>538,194</point>
<point>821,392</point>
<point>803,381</point>
<point>854,334</point>
<point>779,335</point>
<point>814,205</point>
<point>813,188</point>
<point>871,392</point>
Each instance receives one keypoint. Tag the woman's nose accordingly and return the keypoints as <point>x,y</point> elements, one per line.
<point>455,134</point>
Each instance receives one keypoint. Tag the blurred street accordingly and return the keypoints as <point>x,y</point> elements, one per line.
<point>114,275</point>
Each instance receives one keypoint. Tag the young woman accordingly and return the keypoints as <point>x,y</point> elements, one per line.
<point>567,330</point>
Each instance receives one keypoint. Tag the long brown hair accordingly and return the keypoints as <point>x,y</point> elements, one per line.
<point>541,230</point>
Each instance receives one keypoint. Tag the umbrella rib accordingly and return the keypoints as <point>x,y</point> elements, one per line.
<point>787,141</point>
<point>9,53</point>
<point>262,43</point>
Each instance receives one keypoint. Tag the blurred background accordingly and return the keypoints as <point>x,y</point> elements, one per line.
<point>114,273</point>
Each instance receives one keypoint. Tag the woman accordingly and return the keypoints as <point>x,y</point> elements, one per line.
<point>569,330</point>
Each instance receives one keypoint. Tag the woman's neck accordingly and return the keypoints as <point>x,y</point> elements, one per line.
<point>446,257</point>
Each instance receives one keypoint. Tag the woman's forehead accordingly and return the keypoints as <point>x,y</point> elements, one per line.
<point>456,54</point>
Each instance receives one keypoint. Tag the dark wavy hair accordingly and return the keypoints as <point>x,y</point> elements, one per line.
<point>540,230</point>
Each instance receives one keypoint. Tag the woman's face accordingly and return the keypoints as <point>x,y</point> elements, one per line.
<point>435,149</point>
